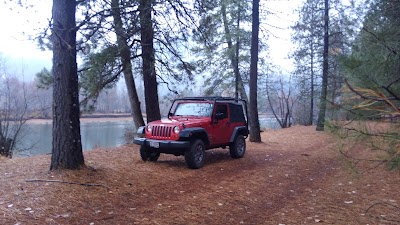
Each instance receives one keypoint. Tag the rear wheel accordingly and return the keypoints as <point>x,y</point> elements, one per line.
<point>147,155</point>
<point>238,147</point>
<point>194,156</point>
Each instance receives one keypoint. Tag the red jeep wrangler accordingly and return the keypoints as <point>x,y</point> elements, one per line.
<point>194,125</point>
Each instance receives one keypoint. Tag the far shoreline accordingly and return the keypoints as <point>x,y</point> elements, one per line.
<point>98,118</point>
<point>91,118</point>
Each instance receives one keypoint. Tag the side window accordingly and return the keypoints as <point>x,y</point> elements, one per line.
<point>222,109</point>
<point>237,113</point>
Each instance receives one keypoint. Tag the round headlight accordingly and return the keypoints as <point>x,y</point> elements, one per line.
<point>149,127</point>
<point>176,130</point>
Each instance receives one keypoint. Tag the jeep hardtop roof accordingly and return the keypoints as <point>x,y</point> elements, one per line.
<point>215,99</point>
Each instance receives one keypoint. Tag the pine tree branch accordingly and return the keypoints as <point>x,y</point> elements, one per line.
<point>164,82</point>
<point>389,90</point>
<point>383,42</point>
<point>368,97</point>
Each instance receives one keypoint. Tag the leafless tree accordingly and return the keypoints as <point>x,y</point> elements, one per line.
<point>14,100</point>
<point>281,100</point>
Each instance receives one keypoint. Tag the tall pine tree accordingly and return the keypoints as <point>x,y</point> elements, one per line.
<point>66,147</point>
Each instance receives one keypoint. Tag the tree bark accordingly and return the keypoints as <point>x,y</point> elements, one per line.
<point>5,146</point>
<point>322,106</point>
<point>66,144</point>
<point>125,54</point>
<point>149,72</point>
<point>311,119</point>
<point>253,117</point>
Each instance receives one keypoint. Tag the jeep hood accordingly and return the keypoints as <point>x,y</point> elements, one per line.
<point>190,121</point>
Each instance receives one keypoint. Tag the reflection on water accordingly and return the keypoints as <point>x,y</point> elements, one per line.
<point>268,123</point>
<point>37,137</point>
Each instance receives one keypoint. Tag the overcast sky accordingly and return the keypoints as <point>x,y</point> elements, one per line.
<point>23,58</point>
<point>278,24</point>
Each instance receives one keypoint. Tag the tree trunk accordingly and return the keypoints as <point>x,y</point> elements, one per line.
<point>322,107</point>
<point>311,119</point>
<point>149,72</point>
<point>6,146</point>
<point>253,117</point>
<point>125,53</point>
<point>237,75</point>
<point>66,147</point>
<point>234,58</point>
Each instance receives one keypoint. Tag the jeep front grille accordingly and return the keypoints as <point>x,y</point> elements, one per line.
<point>161,131</point>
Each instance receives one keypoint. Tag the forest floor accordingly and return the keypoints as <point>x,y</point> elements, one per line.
<point>295,176</point>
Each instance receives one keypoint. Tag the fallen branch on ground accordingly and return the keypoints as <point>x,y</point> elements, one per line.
<point>396,208</point>
<point>67,182</point>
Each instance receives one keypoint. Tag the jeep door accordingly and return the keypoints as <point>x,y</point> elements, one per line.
<point>221,127</point>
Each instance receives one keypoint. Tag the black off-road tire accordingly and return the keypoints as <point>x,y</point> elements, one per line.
<point>238,147</point>
<point>147,155</point>
<point>194,156</point>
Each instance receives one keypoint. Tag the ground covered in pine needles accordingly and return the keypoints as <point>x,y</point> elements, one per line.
<point>296,176</point>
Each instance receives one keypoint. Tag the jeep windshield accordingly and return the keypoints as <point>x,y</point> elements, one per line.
<point>193,109</point>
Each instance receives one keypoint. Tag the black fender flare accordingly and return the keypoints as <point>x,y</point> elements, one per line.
<point>187,133</point>
<point>237,130</point>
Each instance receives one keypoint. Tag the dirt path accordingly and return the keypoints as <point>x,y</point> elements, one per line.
<point>294,177</point>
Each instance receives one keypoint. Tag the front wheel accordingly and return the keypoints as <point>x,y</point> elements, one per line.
<point>147,155</point>
<point>194,156</point>
<point>238,147</point>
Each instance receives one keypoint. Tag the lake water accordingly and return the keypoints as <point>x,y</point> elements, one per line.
<point>37,137</point>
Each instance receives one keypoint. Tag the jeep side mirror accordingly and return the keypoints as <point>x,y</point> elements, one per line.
<point>219,116</point>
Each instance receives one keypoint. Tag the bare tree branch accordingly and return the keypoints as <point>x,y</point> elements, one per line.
<point>67,182</point>
<point>382,203</point>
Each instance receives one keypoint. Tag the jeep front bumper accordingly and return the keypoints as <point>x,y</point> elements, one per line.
<point>164,146</point>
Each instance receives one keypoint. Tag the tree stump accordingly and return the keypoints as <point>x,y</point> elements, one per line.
<point>6,147</point>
